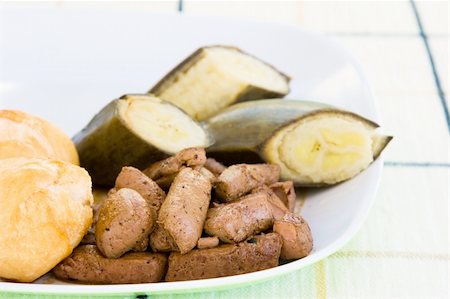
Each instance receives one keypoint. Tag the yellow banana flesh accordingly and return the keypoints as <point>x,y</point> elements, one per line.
<point>324,147</point>
<point>215,77</point>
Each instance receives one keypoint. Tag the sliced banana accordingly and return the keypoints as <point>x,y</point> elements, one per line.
<point>215,77</point>
<point>135,130</point>
<point>313,143</point>
<point>161,124</point>
<point>240,129</point>
<point>324,147</point>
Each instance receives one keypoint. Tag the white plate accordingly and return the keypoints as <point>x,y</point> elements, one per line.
<point>65,62</point>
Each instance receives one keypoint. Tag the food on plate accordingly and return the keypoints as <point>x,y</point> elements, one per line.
<point>258,253</point>
<point>278,207</point>
<point>183,212</point>
<point>161,240</point>
<point>225,213</point>
<point>324,147</point>
<point>135,130</point>
<point>133,178</point>
<point>45,212</point>
<point>236,221</point>
<point>208,174</point>
<point>214,166</point>
<point>87,264</point>
<point>314,145</point>
<point>203,237</point>
<point>166,181</point>
<point>25,135</point>
<point>100,195</point>
<point>296,235</point>
<point>240,179</point>
<point>215,77</point>
<point>285,192</point>
<point>239,130</point>
<point>190,157</point>
<point>125,220</point>
<point>207,242</point>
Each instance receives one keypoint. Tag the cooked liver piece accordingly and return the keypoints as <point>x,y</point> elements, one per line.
<point>184,210</point>
<point>261,252</point>
<point>215,167</point>
<point>166,181</point>
<point>240,179</point>
<point>207,242</point>
<point>207,174</point>
<point>194,156</point>
<point>278,208</point>
<point>286,192</point>
<point>296,235</point>
<point>125,220</point>
<point>236,221</point>
<point>161,241</point>
<point>133,178</point>
<point>86,264</point>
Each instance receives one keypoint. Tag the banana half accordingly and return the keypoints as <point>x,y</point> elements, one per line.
<point>215,77</point>
<point>324,147</point>
<point>135,130</point>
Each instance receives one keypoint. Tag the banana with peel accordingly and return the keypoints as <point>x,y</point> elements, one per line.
<point>215,77</point>
<point>314,144</point>
<point>135,130</point>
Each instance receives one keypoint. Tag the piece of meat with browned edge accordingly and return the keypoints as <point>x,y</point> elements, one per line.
<point>207,174</point>
<point>207,242</point>
<point>99,197</point>
<point>125,220</point>
<point>286,192</point>
<point>161,241</point>
<point>184,210</point>
<point>279,209</point>
<point>87,264</point>
<point>236,221</point>
<point>240,179</point>
<point>166,181</point>
<point>214,166</point>
<point>259,253</point>
<point>133,178</point>
<point>296,235</point>
<point>191,157</point>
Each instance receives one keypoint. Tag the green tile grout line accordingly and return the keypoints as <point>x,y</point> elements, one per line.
<point>432,64</point>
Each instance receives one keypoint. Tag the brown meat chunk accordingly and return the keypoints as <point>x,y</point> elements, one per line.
<point>86,264</point>
<point>194,156</point>
<point>133,178</point>
<point>207,174</point>
<point>207,242</point>
<point>277,206</point>
<point>215,167</point>
<point>125,220</point>
<point>166,181</point>
<point>240,179</point>
<point>259,253</point>
<point>161,241</point>
<point>286,192</point>
<point>238,220</point>
<point>89,238</point>
<point>296,235</point>
<point>184,210</point>
<point>100,197</point>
